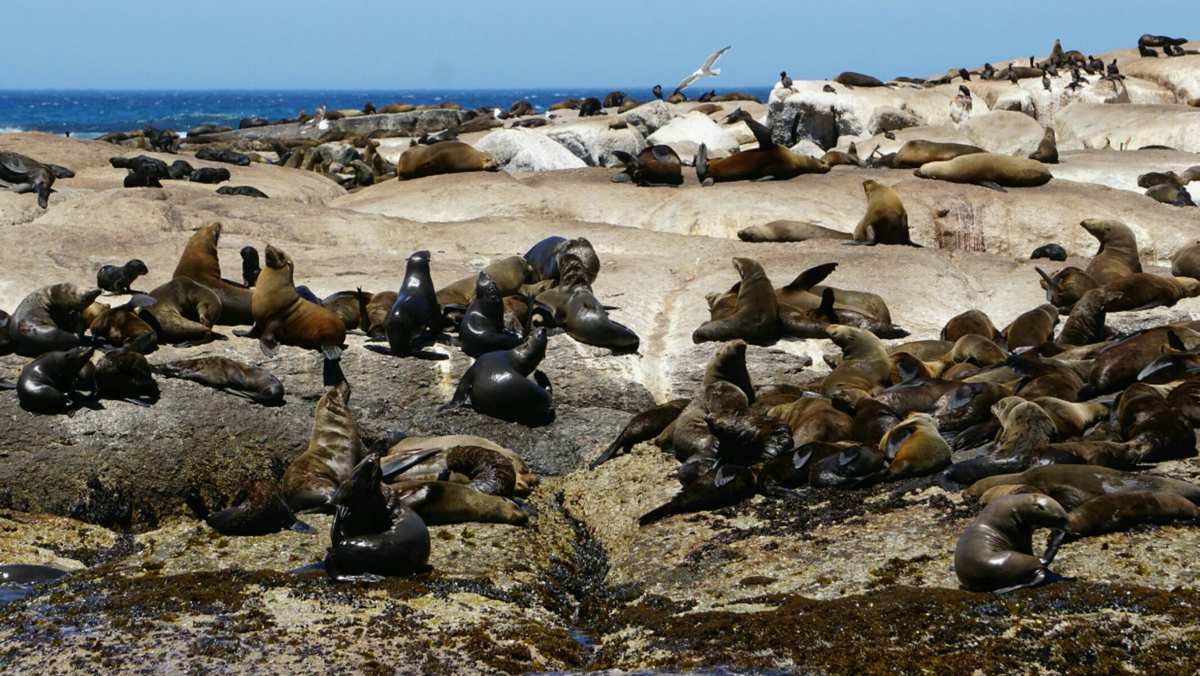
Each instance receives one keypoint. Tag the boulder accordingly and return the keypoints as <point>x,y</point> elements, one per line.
<point>887,118</point>
<point>1089,125</point>
<point>594,145</point>
<point>685,134</point>
<point>1017,101</point>
<point>1180,75</point>
<point>526,150</point>
<point>341,153</point>
<point>807,111</point>
<point>650,117</point>
<point>1004,132</point>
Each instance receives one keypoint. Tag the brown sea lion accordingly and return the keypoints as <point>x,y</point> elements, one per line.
<point>1142,291</point>
<point>334,448</point>
<point>1032,328</point>
<point>1152,427</point>
<point>988,170</point>
<point>49,319</point>
<point>1116,512</point>
<point>442,158</point>
<point>789,231</point>
<point>281,316</point>
<point>199,262</point>
<point>221,373</point>
<point>644,426</point>
<point>1118,254</point>
<point>509,274</point>
<point>1072,418</point>
<point>872,421</point>
<point>1073,485</point>
<point>1066,287</point>
<point>767,161</point>
<point>995,553</point>
<point>486,470</point>
<point>813,419</point>
<point>1025,429</point>
<point>122,327</point>
<point>886,221</point>
<point>258,508</point>
<point>1119,364</point>
<point>970,322</point>
<point>1186,261</point>
<point>852,79</point>
<point>442,503</point>
<point>123,375</point>
<point>526,480</point>
<point>865,369</point>
<point>915,448</point>
<point>1047,150</point>
<point>184,312</point>
<point>350,307</point>
<point>1085,325</point>
<point>914,154</point>
<point>654,165</point>
<point>688,434</point>
<point>377,313</point>
<point>754,316</point>
<point>850,158</point>
<point>806,293</point>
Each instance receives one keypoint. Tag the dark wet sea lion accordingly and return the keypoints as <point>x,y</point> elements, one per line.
<point>210,175</point>
<point>22,174</point>
<point>49,319</point>
<point>334,449</point>
<point>498,384</point>
<point>915,153</point>
<point>242,191</point>
<point>251,382</point>
<point>755,315</point>
<point>583,316</point>
<point>250,265</point>
<point>995,553</point>
<point>1118,254</point>
<point>1052,251</point>
<point>850,467</point>
<point>48,384</point>
<point>117,278</point>
<point>1085,325</point>
<point>282,317</point>
<point>544,256</point>
<point>767,161</point>
<point>644,426</point>
<point>199,262</point>
<point>184,312</point>
<point>370,536</point>
<point>482,328</point>
<point>852,79</point>
<point>1032,328</point>
<point>1152,427</point>
<point>718,487</point>
<point>415,309</point>
<point>442,158</point>
<point>442,503</point>
<point>886,221</point>
<point>654,165</point>
<point>258,508</point>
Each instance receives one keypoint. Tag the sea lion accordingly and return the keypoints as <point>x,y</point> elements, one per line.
<point>1025,429</point>
<point>865,369</point>
<point>22,174</point>
<point>350,307</point>
<point>122,375</point>
<point>852,79</point>
<point>180,170</point>
<point>1118,254</point>
<point>914,154</point>
<point>48,384</point>
<point>1032,328</point>
<point>221,373</point>
<point>544,257</point>
<point>644,426</point>
<point>49,319</point>
<point>1073,485</point>
<point>1153,429</point>
<point>498,384</point>
<point>1171,194</point>
<point>184,312</point>
<point>1052,251</point>
<point>509,274</point>
<point>441,503</point>
<point>281,316</point>
<point>886,221</point>
<point>416,308</point>
<point>370,536</point>
<point>226,155</point>
<point>767,161</point>
<point>755,315</point>
<point>250,265</point>
<point>334,448</point>
<point>688,435</point>
<point>1085,324</point>
<point>987,170</point>
<point>1118,365</point>
<point>1112,513</point>
<point>116,279</point>
<point>814,419</point>
<point>377,310</point>
<point>789,231</point>
<point>849,467</point>
<point>583,316</point>
<point>442,158</point>
<point>242,191</point>
<point>258,508</point>
<point>1047,150</point>
<point>971,322</point>
<point>1066,287</point>
<point>199,262</point>
<point>804,323</point>
<point>482,328</point>
<point>210,175</point>
<point>121,326</point>
<point>718,487</point>
<point>1142,291</point>
<point>410,447</point>
<point>654,165</point>
<point>1072,418</point>
<point>914,448</point>
<point>995,553</point>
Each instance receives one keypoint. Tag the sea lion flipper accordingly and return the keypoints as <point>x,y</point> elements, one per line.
<point>268,348</point>
<point>992,185</point>
<point>621,178</point>
<point>1174,342</point>
<point>1056,540</point>
<point>301,527</point>
<point>826,308</point>
<point>811,277</point>
<point>393,468</point>
<point>331,352</point>
<point>761,133</point>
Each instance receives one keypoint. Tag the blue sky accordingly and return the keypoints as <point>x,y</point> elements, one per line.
<point>195,44</point>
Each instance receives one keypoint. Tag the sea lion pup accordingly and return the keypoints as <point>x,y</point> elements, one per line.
<point>184,311</point>
<point>995,553</point>
<point>48,384</point>
<point>1170,194</point>
<point>242,191</point>
<point>916,153</point>
<point>369,536</point>
<point>1142,291</point>
<point>865,369</point>
<point>1066,287</point>
<point>221,373</point>
<point>121,326</point>
<point>1047,150</point>
<point>210,175</point>
<point>1032,328</point>
<point>482,328</point>
<point>258,508</point>
<point>1085,325</point>
<point>971,322</point>
<point>1113,513</point>
<point>250,265</point>
<point>350,307</point>
<point>498,385</point>
<point>834,158</point>
<point>22,174</point>
<point>768,161</point>
<point>282,317</point>
<point>654,165</point>
<point>416,308</point>
<point>449,157</point>
<point>886,221</point>
<point>378,309</point>
<point>717,487</point>
<point>755,315</point>
<point>988,170</point>
<point>334,448</point>
<point>199,262</point>
<point>581,314</point>
<point>852,79</point>
<point>49,319</point>
<point>789,231</point>
<point>1052,251</point>
<point>116,279</point>
<point>1025,429</point>
<point>1118,254</point>
<point>509,274</point>
<point>914,448</point>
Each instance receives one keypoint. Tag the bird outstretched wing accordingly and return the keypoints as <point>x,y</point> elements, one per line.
<point>712,58</point>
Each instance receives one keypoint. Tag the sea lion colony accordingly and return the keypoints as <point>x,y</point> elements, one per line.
<point>1052,421</point>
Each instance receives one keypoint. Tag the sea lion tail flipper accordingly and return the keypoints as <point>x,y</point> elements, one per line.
<point>331,352</point>
<point>393,468</point>
<point>811,277</point>
<point>609,453</point>
<point>761,133</point>
<point>826,309</point>
<point>656,514</point>
<point>992,185</point>
<point>331,372</point>
<point>701,163</point>
<point>621,178</point>
<point>1174,342</point>
<point>301,527</point>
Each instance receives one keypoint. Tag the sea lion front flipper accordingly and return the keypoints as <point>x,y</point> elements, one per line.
<point>1056,540</point>
<point>761,133</point>
<point>826,308</point>
<point>140,300</point>
<point>330,352</point>
<point>811,277</point>
<point>137,402</point>
<point>462,396</point>
<point>5,385</point>
<point>301,527</point>
<point>268,348</point>
<point>394,468</point>
<point>620,178</point>
<point>992,185</point>
<point>252,332</point>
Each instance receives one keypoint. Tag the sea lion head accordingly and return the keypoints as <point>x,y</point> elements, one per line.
<point>41,185</point>
<point>485,287</point>
<point>1189,286</point>
<point>870,186</point>
<point>419,258</point>
<point>249,254</point>
<point>858,461</point>
<point>276,259</point>
<point>748,268</point>
<point>137,267</point>
<point>529,354</point>
<point>1108,231</point>
<point>724,398</point>
<point>210,234</point>
<point>1036,510</point>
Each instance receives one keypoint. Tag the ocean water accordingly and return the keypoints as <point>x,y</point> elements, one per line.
<point>90,113</point>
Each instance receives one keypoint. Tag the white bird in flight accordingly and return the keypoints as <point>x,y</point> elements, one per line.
<point>706,70</point>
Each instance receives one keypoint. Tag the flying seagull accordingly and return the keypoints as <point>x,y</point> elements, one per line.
<point>706,70</point>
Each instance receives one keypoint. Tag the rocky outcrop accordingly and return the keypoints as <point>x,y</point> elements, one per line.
<point>686,134</point>
<point>523,150</point>
<point>650,117</point>
<point>594,145</point>
<point>1087,125</point>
